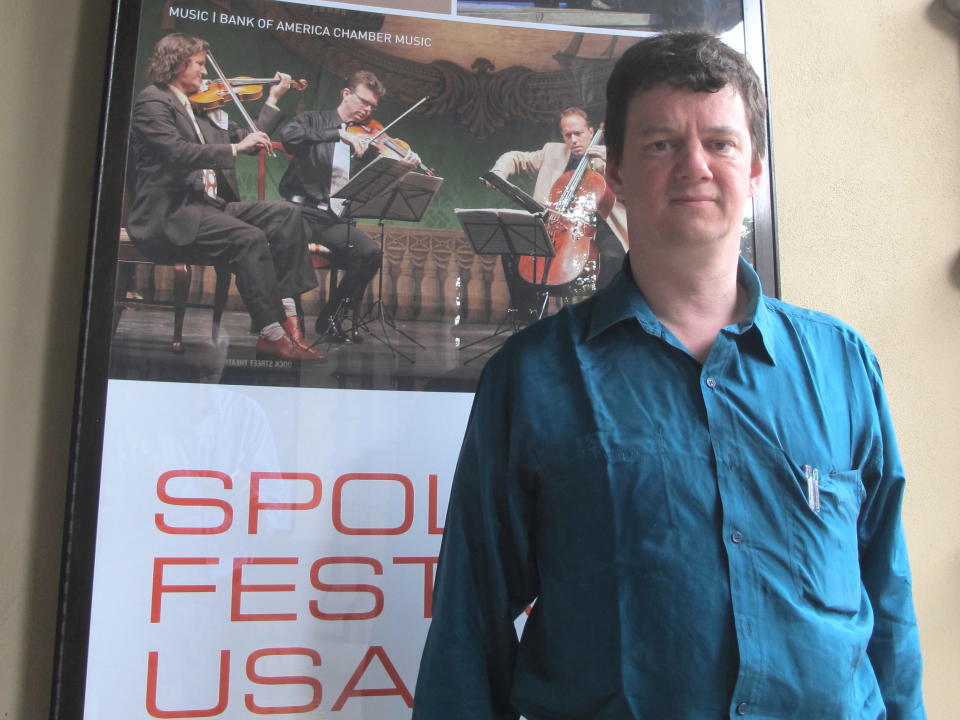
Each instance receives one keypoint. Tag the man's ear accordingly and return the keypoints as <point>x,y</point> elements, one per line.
<point>756,174</point>
<point>612,174</point>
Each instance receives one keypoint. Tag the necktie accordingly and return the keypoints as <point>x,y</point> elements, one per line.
<point>209,176</point>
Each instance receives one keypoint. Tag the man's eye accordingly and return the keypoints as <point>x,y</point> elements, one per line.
<point>659,145</point>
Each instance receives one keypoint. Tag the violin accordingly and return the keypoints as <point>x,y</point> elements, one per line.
<point>576,201</point>
<point>376,134</point>
<point>227,85</point>
<point>385,144</point>
<point>246,88</point>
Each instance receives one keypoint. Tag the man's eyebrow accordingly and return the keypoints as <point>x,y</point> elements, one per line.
<point>655,130</point>
<point>666,129</point>
<point>725,130</point>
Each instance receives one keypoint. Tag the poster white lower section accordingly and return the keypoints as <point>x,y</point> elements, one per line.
<point>266,551</point>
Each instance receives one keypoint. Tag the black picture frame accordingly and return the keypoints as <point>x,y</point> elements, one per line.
<point>93,372</point>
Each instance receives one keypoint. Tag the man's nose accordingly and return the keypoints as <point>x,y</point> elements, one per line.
<point>694,162</point>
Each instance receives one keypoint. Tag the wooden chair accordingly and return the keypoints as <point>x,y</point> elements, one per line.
<point>128,257</point>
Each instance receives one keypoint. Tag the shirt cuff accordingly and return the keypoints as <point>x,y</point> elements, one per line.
<point>233,148</point>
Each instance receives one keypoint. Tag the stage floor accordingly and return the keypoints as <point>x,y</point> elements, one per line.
<point>141,350</point>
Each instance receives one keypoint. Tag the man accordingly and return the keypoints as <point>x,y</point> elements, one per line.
<point>322,149</point>
<point>697,486</point>
<point>550,162</point>
<point>185,202</point>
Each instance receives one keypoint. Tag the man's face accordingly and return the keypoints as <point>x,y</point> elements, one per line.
<point>576,134</point>
<point>357,105</point>
<point>687,167</point>
<point>191,77</point>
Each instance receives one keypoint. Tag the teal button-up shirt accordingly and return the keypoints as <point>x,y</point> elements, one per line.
<point>701,541</point>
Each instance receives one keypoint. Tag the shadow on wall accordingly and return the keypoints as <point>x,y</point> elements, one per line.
<point>955,271</point>
<point>945,16</point>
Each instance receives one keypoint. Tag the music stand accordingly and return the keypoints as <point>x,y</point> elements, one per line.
<point>395,193</point>
<point>504,232</point>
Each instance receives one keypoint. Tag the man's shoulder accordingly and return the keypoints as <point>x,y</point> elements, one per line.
<point>549,336</point>
<point>155,92</point>
<point>154,100</point>
<point>815,326</point>
<point>319,117</point>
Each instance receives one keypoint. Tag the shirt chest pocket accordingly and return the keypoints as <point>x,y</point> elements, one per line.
<point>826,556</point>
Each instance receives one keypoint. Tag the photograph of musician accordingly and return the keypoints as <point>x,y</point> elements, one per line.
<point>185,205</point>
<point>554,159</point>
<point>325,154</point>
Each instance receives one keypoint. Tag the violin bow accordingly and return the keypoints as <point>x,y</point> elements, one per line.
<point>400,117</point>
<point>233,96</point>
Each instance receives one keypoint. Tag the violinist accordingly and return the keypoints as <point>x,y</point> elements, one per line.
<point>325,155</point>
<point>185,206</point>
<point>550,162</point>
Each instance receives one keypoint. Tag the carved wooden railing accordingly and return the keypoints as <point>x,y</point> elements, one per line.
<point>431,275</point>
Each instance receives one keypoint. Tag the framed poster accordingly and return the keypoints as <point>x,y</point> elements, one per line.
<point>253,531</point>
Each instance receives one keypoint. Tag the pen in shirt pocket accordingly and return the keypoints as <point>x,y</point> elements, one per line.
<point>812,475</point>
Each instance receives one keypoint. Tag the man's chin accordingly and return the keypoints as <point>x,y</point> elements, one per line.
<point>692,234</point>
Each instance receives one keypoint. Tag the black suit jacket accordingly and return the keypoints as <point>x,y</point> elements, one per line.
<point>166,160</point>
<point>310,138</point>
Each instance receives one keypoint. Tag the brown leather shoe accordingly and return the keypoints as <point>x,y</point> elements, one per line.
<point>291,324</point>
<point>310,354</point>
<point>286,349</point>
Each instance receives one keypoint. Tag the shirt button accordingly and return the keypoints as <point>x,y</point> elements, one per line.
<point>711,382</point>
<point>742,708</point>
<point>737,537</point>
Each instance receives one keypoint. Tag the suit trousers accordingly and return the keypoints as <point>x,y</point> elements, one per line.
<point>263,244</point>
<point>353,251</point>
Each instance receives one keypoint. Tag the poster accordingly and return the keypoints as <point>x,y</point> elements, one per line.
<point>253,535</point>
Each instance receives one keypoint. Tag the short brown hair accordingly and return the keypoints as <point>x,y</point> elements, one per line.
<point>170,56</point>
<point>693,60</point>
<point>574,110</point>
<point>367,79</point>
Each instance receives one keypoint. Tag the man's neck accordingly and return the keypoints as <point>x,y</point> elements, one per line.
<point>692,291</point>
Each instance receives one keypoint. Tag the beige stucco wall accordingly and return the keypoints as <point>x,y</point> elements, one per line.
<point>866,120</point>
<point>866,108</point>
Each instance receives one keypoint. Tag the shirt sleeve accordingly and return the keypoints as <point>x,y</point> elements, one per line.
<point>894,648</point>
<point>518,162</point>
<point>486,574</point>
<point>306,130</point>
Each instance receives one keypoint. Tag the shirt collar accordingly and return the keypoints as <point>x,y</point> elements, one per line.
<point>623,300</point>
<point>180,95</point>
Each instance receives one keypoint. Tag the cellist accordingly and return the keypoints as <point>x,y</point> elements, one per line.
<point>550,162</point>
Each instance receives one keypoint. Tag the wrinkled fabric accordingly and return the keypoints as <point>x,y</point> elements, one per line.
<point>700,541</point>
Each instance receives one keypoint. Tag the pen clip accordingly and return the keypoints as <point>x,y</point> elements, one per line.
<point>812,475</point>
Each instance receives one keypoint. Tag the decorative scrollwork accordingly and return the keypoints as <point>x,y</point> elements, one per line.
<point>482,98</point>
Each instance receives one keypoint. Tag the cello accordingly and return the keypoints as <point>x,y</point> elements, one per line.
<point>575,202</point>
